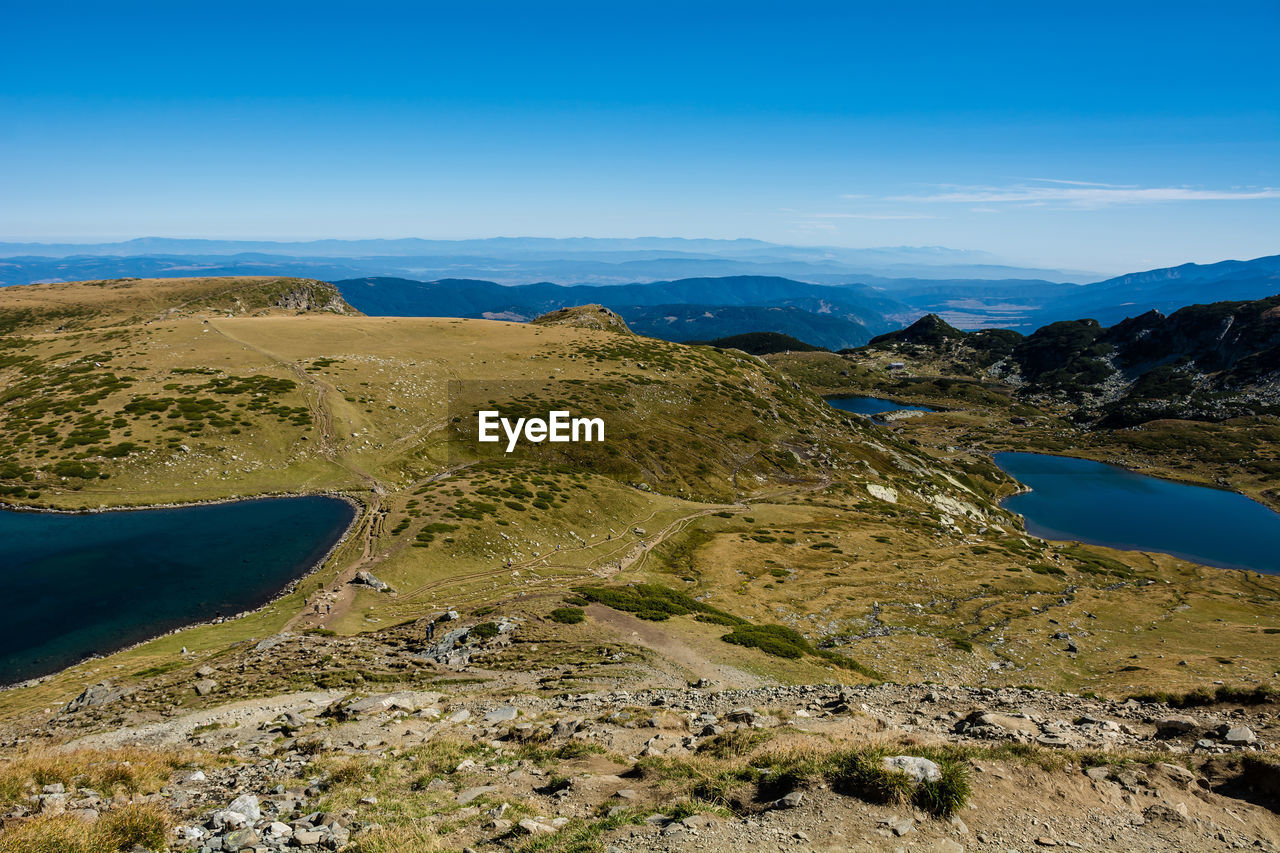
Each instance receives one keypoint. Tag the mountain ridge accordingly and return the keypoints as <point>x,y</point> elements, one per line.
<point>1203,362</point>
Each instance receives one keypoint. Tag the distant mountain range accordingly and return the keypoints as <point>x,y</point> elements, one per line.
<point>683,310</point>
<point>1164,290</point>
<point>506,260</point>
<point>695,290</point>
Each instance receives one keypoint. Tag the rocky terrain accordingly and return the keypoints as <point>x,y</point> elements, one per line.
<point>488,759</point>
<point>1203,362</point>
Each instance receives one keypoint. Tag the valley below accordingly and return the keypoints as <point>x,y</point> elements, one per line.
<point>746,617</point>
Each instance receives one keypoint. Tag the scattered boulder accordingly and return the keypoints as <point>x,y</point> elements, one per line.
<point>471,794</point>
<point>502,715</point>
<point>247,805</point>
<point>788,801</point>
<point>364,578</point>
<point>96,696</point>
<point>268,643</point>
<point>1174,725</point>
<point>918,769</point>
<point>1166,813</point>
<point>1005,722</point>
<point>240,839</point>
<point>1237,734</point>
<point>534,827</point>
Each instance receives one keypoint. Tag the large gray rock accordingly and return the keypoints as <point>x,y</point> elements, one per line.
<point>919,769</point>
<point>97,695</point>
<point>502,715</point>
<point>788,801</point>
<point>1007,723</point>
<point>471,794</point>
<point>307,837</point>
<point>240,839</point>
<point>534,827</point>
<point>247,805</point>
<point>1174,725</point>
<point>363,578</point>
<point>228,819</point>
<point>1239,734</point>
<point>389,702</point>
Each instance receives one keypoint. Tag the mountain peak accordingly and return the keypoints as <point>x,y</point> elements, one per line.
<point>929,329</point>
<point>585,317</point>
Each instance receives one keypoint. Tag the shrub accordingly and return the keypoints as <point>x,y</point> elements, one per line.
<point>948,794</point>
<point>651,601</point>
<point>1201,696</point>
<point>348,773</point>
<point>734,743</point>
<point>484,631</point>
<point>567,615</point>
<point>776,640</point>
<point>861,773</point>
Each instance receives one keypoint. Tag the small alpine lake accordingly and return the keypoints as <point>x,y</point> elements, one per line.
<point>93,583</point>
<point>873,406</point>
<point>1099,504</point>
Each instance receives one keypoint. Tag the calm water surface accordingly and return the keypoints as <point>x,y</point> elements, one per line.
<point>1077,499</point>
<point>873,406</point>
<point>94,583</point>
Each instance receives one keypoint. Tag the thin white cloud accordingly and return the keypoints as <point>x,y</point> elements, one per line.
<point>1080,183</point>
<point>1080,194</point>
<point>871,216</point>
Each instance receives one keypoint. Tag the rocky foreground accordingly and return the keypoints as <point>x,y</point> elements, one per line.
<point>799,768</point>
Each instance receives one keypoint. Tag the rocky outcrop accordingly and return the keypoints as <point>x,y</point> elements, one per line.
<point>1203,362</point>
<point>97,695</point>
<point>585,317</point>
<point>313,296</point>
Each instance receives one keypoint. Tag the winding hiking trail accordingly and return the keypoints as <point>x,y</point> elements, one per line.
<point>338,596</point>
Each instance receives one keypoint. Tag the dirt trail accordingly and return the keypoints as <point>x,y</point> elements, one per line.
<point>247,714</point>
<point>670,649</point>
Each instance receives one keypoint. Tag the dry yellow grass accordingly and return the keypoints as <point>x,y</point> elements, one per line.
<point>144,824</point>
<point>129,771</point>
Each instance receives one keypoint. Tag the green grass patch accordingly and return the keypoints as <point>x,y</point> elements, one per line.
<point>567,615</point>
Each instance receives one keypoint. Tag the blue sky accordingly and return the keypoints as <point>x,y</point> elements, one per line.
<point>1100,136</point>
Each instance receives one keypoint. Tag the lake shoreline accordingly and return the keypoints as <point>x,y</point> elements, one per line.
<point>1161,476</point>
<point>359,510</point>
<point>1057,516</point>
<point>355,503</point>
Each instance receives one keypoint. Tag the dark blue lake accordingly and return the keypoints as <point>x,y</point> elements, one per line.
<point>94,583</point>
<point>873,406</point>
<point>1077,499</point>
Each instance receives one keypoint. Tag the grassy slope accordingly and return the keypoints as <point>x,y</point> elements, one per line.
<point>281,401</point>
<point>1214,620</point>
<point>757,490</point>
